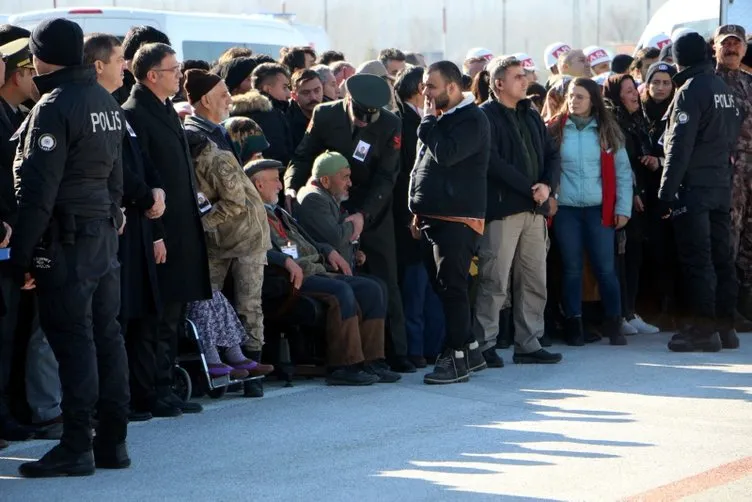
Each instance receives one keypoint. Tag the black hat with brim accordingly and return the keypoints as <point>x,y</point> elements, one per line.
<point>369,91</point>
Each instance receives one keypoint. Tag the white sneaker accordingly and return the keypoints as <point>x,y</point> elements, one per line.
<point>642,327</point>
<point>627,329</point>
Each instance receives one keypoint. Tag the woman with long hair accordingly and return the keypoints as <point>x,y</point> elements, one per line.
<point>595,199</point>
<point>622,97</point>
<point>481,87</point>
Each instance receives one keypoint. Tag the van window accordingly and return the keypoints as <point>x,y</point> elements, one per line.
<point>210,51</point>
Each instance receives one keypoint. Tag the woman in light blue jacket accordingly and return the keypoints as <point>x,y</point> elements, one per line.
<point>595,199</point>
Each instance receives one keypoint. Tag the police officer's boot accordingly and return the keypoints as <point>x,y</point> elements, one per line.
<point>59,462</point>
<point>111,456</point>
<point>700,336</point>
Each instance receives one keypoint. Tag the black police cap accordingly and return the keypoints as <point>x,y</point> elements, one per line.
<point>369,91</point>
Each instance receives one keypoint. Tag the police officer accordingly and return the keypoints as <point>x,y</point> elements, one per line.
<point>362,130</point>
<point>695,190</point>
<point>730,48</point>
<point>69,182</point>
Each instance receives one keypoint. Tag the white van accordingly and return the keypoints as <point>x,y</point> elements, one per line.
<point>193,35</point>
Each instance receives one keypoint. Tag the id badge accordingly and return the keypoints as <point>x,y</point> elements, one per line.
<point>291,250</point>
<point>361,151</point>
<point>203,203</point>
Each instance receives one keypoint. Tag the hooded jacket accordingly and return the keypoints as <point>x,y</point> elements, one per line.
<point>272,121</point>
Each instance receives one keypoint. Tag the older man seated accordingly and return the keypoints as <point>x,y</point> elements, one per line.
<point>321,213</point>
<point>355,322</point>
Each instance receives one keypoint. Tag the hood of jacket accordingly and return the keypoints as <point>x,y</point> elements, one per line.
<point>250,102</point>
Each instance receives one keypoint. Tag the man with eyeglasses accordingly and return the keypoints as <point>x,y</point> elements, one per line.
<point>183,273</point>
<point>370,137</point>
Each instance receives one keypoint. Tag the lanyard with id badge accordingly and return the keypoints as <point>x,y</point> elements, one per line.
<point>291,249</point>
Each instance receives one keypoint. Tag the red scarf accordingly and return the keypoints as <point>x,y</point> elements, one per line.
<point>608,181</point>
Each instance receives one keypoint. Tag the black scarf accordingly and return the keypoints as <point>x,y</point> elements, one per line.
<point>654,113</point>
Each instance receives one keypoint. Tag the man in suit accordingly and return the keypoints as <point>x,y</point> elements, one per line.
<point>357,125</point>
<point>184,274</point>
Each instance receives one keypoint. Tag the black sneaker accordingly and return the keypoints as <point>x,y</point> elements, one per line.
<point>381,370</point>
<point>492,358</point>
<point>541,356</point>
<point>450,368</point>
<point>729,339</point>
<point>351,376</point>
<point>685,342</point>
<point>185,406</point>
<point>111,456</point>
<point>59,462</point>
<point>474,360</point>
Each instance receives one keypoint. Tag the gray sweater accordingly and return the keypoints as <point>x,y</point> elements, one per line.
<point>321,216</point>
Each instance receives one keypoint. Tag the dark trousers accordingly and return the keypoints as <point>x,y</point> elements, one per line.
<point>352,293</point>
<point>424,314</point>
<point>448,250</point>
<point>79,302</point>
<point>702,222</point>
<point>11,294</point>
<point>379,244</point>
<point>630,263</point>
<point>170,325</point>
<point>141,343</point>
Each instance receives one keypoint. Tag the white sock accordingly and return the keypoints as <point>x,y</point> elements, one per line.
<point>458,354</point>
<point>473,345</point>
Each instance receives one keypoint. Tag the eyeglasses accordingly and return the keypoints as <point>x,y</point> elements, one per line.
<point>174,69</point>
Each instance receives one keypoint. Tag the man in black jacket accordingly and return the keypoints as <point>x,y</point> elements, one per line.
<point>522,175</point>
<point>134,39</point>
<point>184,273</point>
<point>447,197</point>
<point>70,182</point>
<point>704,125</point>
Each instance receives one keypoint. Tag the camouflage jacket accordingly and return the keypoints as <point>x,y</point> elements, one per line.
<point>740,83</point>
<point>236,224</point>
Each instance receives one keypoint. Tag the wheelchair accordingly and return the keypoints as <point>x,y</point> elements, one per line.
<point>191,372</point>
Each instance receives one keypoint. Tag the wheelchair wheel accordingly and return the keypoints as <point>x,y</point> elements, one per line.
<point>217,393</point>
<point>183,387</point>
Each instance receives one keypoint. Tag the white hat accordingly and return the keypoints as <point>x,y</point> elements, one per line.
<point>527,62</point>
<point>596,55</point>
<point>658,41</point>
<point>553,51</point>
<point>479,53</point>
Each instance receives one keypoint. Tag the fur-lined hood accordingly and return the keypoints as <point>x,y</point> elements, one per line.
<point>250,102</point>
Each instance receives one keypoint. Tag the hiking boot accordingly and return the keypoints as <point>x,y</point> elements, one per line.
<point>59,462</point>
<point>729,339</point>
<point>474,360</point>
<point>694,342</point>
<point>575,335</point>
<point>615,331</point>
<point>111,456</point>
<point>541,356</point>
<point>450,368</point>
<point>492,358</point>
<point>381,370</point>
<point>351,376</point>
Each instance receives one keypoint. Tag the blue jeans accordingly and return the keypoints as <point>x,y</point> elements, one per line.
<point>352,293</point>
<point>579,229</point>
<point>424,313</point>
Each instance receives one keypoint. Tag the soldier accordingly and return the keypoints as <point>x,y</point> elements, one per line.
<point>70,182</point>
<point>360,128</point>
<point>730,48</point>
<point>696,191</point>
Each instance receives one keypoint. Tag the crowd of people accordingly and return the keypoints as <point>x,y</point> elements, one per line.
<point>438,212</point>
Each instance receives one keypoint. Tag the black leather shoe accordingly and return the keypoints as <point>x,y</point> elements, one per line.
<point>729,339</point>
<point>59,462</point>
<point>541,356</point>
<point>140,416</point>
<point>381,370</point>
<point>111,457</point>
<point>351,376</point>
<point>401,364</point>
<point>685,342</point>
<point>185,406</point>
<point>492,358</point>
<point>253,389</point>
<point>163,409</point>
<point>419,362</point>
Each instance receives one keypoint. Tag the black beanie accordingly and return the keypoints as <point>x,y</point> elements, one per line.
<point>690,50</point>
<point>236,70</point>
<point>10,33</point>
<point>198,83</point>
<point>659,67</point>
<point>666,52</point>
<point>58,41</point>
<point>621,63</point>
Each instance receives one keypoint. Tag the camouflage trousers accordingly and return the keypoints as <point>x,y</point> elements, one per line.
<point>741,217</point>
<point>248,279</point>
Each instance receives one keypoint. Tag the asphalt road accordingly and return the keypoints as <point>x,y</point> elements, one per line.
<point>608,423</point>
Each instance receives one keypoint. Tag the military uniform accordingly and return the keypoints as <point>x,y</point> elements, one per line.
<point>374,154</point>
<point>740,83</point>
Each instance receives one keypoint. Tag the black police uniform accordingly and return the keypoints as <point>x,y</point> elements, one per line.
<point>69,182</point>
<point>704,124</point>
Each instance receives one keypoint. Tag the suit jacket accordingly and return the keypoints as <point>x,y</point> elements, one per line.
<point>373,175</point>
<point>185,276</point>
<point>410,252</point>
